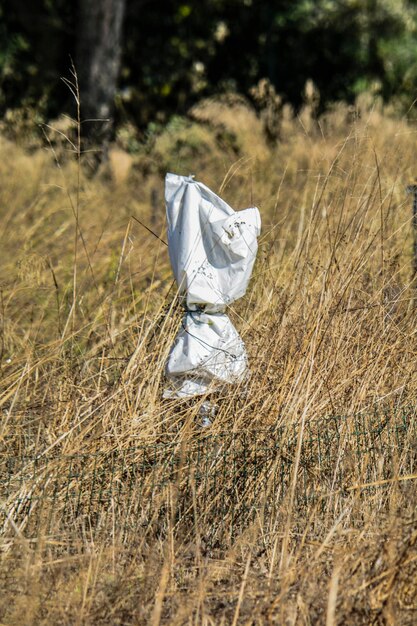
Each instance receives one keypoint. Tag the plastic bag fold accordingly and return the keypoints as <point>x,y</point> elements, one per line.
<point>212,249</point>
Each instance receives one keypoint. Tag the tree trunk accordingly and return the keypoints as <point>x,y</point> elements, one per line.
<point>98,65</point>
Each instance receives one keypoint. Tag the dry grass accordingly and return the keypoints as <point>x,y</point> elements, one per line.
<point>87,318</point>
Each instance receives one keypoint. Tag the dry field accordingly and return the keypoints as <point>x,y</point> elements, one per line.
<point>298,504</point>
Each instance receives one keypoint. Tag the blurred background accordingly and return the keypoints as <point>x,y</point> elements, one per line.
<point>143,61</point>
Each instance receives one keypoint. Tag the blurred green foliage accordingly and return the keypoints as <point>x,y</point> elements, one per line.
<point>177,51</point>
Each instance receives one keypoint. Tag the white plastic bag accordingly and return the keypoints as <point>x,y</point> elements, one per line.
<point>212,250</point>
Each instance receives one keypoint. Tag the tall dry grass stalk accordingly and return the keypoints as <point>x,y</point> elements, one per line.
<point>330,328</point>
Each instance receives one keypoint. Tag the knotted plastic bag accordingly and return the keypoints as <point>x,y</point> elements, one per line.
<point>212,249</point>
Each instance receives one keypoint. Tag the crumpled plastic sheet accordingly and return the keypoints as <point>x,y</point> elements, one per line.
<point>212,249</point>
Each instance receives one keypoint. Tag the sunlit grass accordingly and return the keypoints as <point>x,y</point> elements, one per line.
<point>330,328</point>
